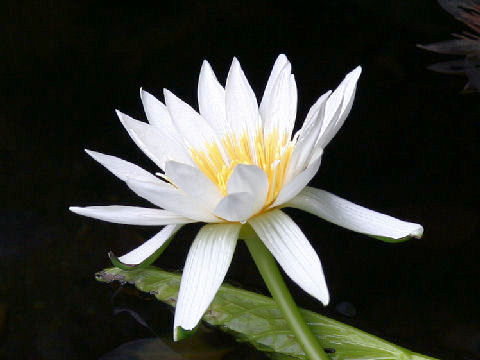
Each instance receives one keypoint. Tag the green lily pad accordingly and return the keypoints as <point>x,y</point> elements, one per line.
<point>256,319</point>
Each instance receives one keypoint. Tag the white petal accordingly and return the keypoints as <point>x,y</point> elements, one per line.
<point>157,114</point>
<point>307,137</point>
<point>121,168</point>
<point>241,105</point>
<point>290,190</point>
<point>353,217</point>
<point>211,100</point>
<point>142,252</point>
<point>131,125</point>
<point>131,215</point>
<point>342,97</point>
<point>293,252</point>
<point>250,179</point>
<point>170,198</point>
<point>207,263</point>
<point>280,63</point>
<point>279,103</point>
<point>293,100</point>
<point>154,142</point>
<point>194,129</point>
<point>194,183</point>
<point>236,207</point>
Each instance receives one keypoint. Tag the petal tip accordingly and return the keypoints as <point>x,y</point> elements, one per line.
<point>325,298</point>
<point>355,73</point>
<point>235,67</point>
<point>170,98</point>
<point>417,233</point>
<point>167,93</point>
<point>117,262</point>
<point>94,154</point>
<point>321,292</point>
<point>281,60</point>
<point>121,116</point>
<point>179,333</point>
<point>144,94</point>
<point>205,65</point>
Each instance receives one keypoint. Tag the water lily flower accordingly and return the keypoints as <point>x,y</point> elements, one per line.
<point>232,163</point>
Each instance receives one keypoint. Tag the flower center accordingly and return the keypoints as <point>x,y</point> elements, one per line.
<point>271,153</point>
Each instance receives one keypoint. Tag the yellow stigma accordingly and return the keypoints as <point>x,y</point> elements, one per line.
<point>270,153</point>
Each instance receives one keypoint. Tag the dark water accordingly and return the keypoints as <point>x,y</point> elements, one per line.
<point>409,149</point>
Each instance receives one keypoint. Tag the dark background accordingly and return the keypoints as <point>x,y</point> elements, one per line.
<point>408,149</point>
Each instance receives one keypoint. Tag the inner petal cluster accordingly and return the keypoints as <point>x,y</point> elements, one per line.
<point>270,152</point>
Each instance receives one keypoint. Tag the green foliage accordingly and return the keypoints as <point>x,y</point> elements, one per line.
<point>256,319</point>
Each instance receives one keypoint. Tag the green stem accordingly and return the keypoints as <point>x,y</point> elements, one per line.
<point>273,279</point>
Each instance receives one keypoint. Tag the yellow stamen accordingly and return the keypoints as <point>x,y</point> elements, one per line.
<point>272,154</point>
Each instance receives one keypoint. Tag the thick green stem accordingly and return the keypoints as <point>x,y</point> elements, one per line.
<point>273,279</point>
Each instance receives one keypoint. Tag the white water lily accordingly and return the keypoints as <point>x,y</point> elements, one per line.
<point>232,163</point>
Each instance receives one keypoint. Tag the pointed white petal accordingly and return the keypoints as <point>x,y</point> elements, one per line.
<point>131,125</point>
<point>194,129</point>
<point>353,217</point>
<point>121,168</point>
<point>307,136</point>
<point>313,117</point>
<point>279,103</point>
<point>293,252</point>
<point>280,63</point>
<point>290,190</point>
<point>250,179</point>
<point>236,207</point>
<point>142,252</point>
<point>157,144</point>
<point>131,215</point>
<point>314,120</point>
<point>342,98</point>
<point>194,183</point>
<point>241,105</point>
<point>157,114</point>
<point>151,188</point>
<point>292,108</point>
<point>172,199</point>
<point>211,100</point>
<point>207,263</point>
